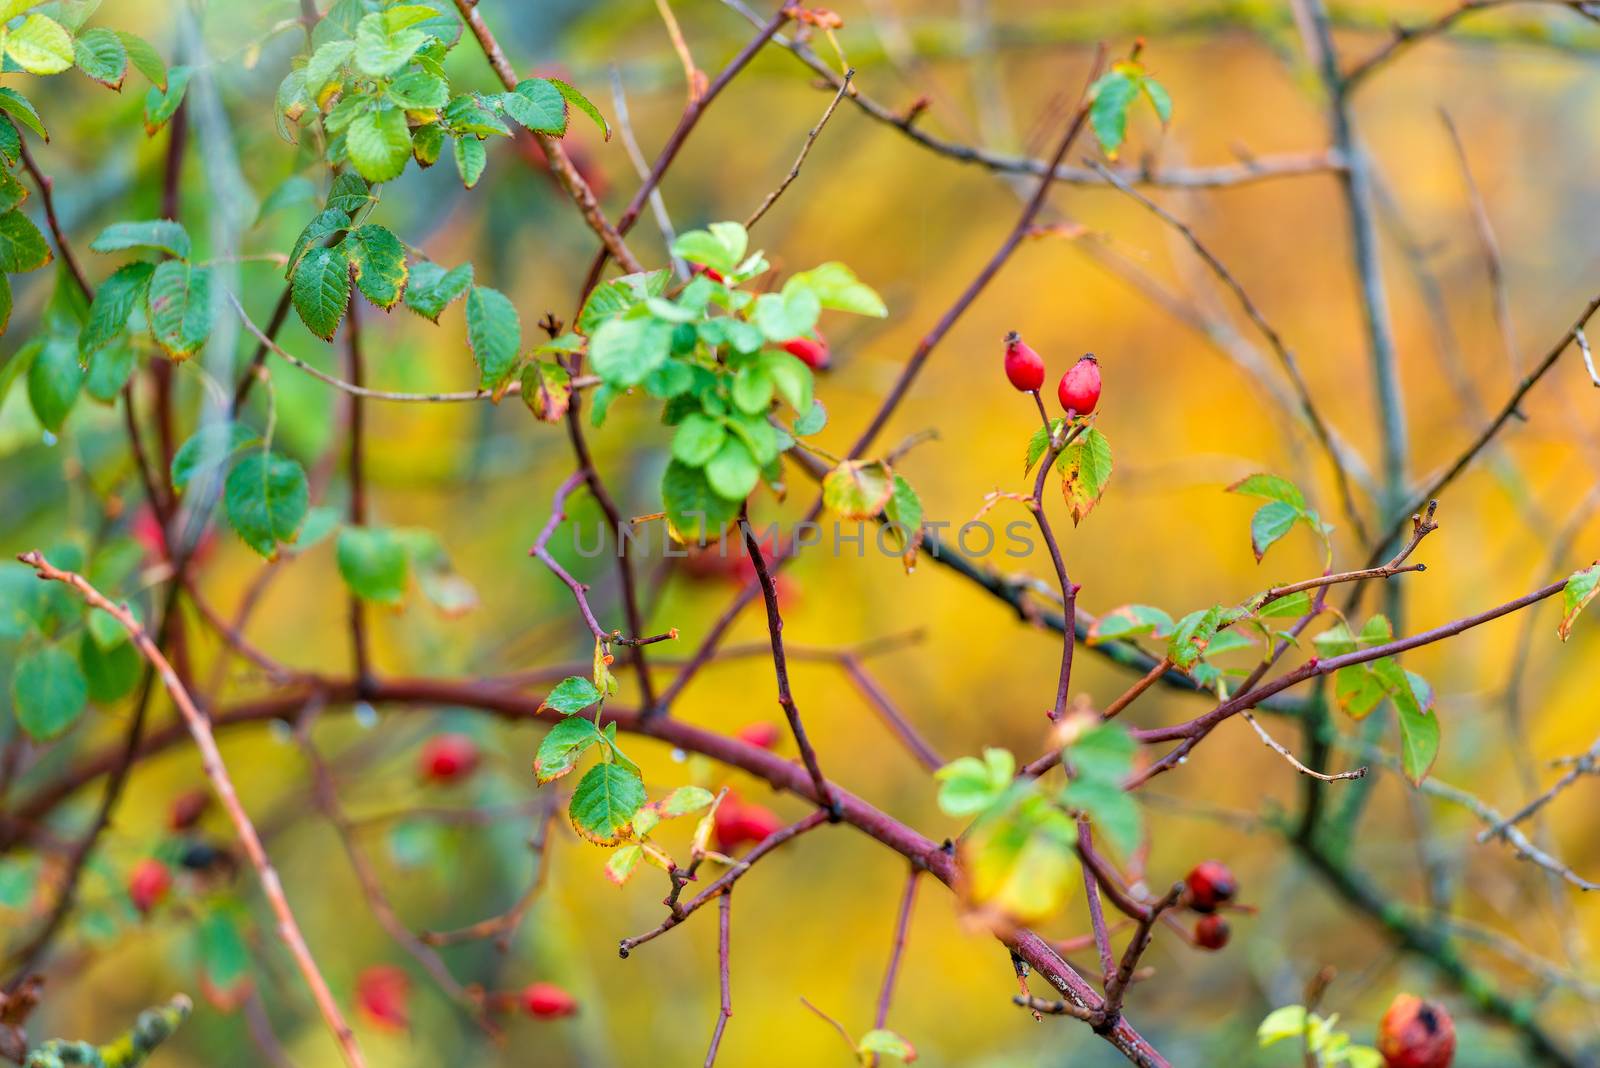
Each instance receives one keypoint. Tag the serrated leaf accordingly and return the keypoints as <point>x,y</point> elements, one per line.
<point>621,864</point>
<point>696,513</point>
<point>163,235</point>
<point>114,302</point>
<point>1272,521</point>
<point>145,59</point>
<point>546,390</point>
<point>266,498</point>
<point>838,289</point>
<point>1085,465</point>
<point>380,262</point>
<point>624,350</point>
<point>572,695</point>
<point>48,692</point>
<point>161,103</point>
<point>21,108</point>
<point>537,104</point>
<point>1272,488</point>
<point>418,91</point>
<point>494,334</point>
<point>381,50</point>
<point>903,513</point>
<point>321,290</point>
<point>39,45</point>
<point>1358,690</point>
<point>1580,589</point>
<point>208,448</point>
<point>1130,621</point>
<point>373,563</point>
<point>471,157</point>
<point>562,746</point>
<point>583,104</point>
<point>22,246</point>
<point>603,803</point>
<point>379,143</point>
<point>684,801</point>
<point>858,489</point>
<point>101,55</point>
<point>431,288</point>
<point>1039,444</point>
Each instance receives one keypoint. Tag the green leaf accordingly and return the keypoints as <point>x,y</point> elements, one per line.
<point>380,262</point>
<point>1272,521</point>
<point>621,864</point>
<point>1272,488</point>
<point>426,144</point>
<point>373,563</point>
<point>54,379</point>
<point>720,248</point>
<point>698,438</point>
<point>572,694</point>
<point>1295,604</point>
<point>838,289</point>
<point>624,350</point>
<point>1039,443</point>
<point>379,143</point>
<point>969,785</point>
<point>695,512</point>
<point>812,421</point>
<point>12,192</point>
<point>494,333</point>
<point>611,298</point>
<point>431,288</point>
<point>1159,98</point>
<point>1104,752</point>
<point>904,515</point>
<point>1192,634</point>
<point>1580,589</point>
<point>325,65</point>
<point>163,235</point>
<point>208,448</point>
<point>22,246</point>
<point>733,473</point>
<point>349,194</point>
<point>40,45</point>
<point>1286,1022</point>
<point>224,953</point>
<point>178,304</point>
<point>419,91</point>
<point>1358,690</point>
<point>109,370</point>
<point>583,104</point>
<point>685,800</point>
<point>1419,733</point>
<point>101,55</point>
<point>1130,621</point>
<point>48,692</point>
<point>471,157</point>
<point>559,751</point>
<point>537,104</point>
<point>1110,98</point>
<point>160,104</point>
<point>1109,808</point>
<point>323,227</point>
<point>145,59</point>
<point>791,377</point>
<point>546,390</point>
<point>752,389</point>
<point>266,498</point>
<point>879,1042</point>
<point>858,489</point>
<point>321,290</point>
<point>787,315</point>
<point>114,302</point>
<point>21,108</point>
<point>380,50</point>
<point>111,672</point>
<point>1086,468</point>
<point>604,802</point>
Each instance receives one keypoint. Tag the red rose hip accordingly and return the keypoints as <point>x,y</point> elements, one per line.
<point>1211,885</point>
<point>812,351</point>
<point>547,1001</point>
<point>148,884</point>
<point>761,735</point>
<point>1079,391</point>
<point>1211,932</point>
<point>1416,1034</point>
<point>1024,368</point>
<point>448,758</point>
<point>758,822</point>
<point>382,992</point>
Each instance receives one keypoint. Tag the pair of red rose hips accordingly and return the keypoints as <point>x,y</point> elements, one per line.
<point>1210,886</point>
<point>1079,390</point>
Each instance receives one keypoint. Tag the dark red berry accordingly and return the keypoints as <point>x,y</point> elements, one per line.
<point>1211,885</point>
<point>382,992</point>
<point>547,1001</point>
<point>187,808</point>
<point>759,822</point>
<point>148,884</point>
<point>737,823</point>
<point>1079,391</point>
<point>1416,1034</point>
<point>1024,368</point>
<point>1211,932</point>
<point>762,735</point>
<point>812,351</point>
<point>447,758</point>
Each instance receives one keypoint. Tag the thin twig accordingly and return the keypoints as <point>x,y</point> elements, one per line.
<point>724,910</point>
<point>897,948</point>
<point>1294,761</point>
<point>805,150</point>
<point>217,774</point>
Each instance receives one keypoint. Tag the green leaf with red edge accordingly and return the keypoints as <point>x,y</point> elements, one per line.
<point>1086,469</point>
<point>1270,487</point>
<point>494,332</point>
<point>621,864</point>
<point>572,695</point>
<point>1270,523</point>
<point>583,104</point>
<point>1039,442</point>
<point>684,800</point>
<point>603,803</point>
<point>562,746</point>
<point>858,489</point>
<point>1358,690</point>
<point>1130,621</point>
<point>882,1043</point>
<point>1580,589</point>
